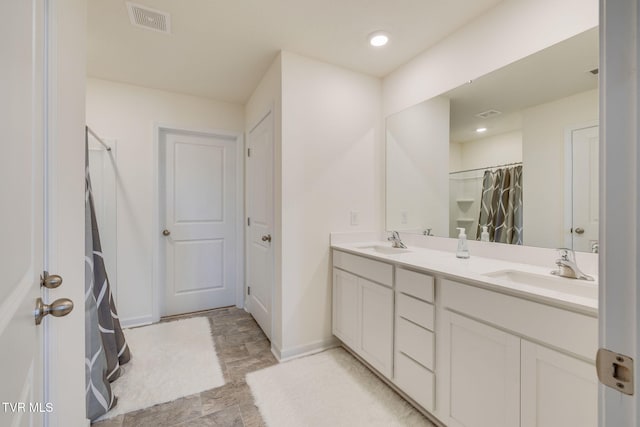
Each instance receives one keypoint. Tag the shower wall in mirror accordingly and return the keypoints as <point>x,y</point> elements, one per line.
<point>529,128</point>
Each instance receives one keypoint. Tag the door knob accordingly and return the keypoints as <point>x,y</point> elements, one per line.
<point>58,308</point>
<point>579,230</point>
<point>50,281</point>
<point>166,232</point>
<point>266,238</point>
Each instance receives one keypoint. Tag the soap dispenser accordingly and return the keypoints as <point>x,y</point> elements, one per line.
<point>463,247</point>
<point>484,236</point>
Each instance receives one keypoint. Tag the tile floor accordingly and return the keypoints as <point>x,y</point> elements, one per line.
<point>242,347</point>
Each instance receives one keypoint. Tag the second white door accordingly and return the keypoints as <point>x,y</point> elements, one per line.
<point>260,222</point>
<point>199,221</point>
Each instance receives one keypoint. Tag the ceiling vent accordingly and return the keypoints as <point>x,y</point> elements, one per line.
<point>488,114</point>
<point>149,19</point>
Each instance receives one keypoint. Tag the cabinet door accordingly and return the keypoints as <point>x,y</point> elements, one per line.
<point>345,308</point>
<point>376,305</point>
<point>557,389</point>
<point>482,368</point>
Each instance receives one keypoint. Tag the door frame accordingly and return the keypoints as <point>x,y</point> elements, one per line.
<point>568,178</point>
<point>268,115</point>
<point>64,346</point>
<point>158,262</point>
<point>619,271</point>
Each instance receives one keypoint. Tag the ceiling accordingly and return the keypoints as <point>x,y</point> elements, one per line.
<point>556,72</point>
<point>221,49</point>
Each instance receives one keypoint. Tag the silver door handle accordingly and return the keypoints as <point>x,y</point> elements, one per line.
<point>58,308</point>
<point>166,232</point>
<point>266,238</point>
<point>50,281</point>
<point>579,230</point>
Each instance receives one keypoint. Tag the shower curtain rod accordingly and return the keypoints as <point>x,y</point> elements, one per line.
<point>98,138</point>
<point>488,167</point>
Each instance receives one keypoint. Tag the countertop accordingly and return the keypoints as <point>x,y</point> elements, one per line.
<point>573,294</point>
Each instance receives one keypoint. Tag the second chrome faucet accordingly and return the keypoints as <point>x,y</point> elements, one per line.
<point>567,266</point>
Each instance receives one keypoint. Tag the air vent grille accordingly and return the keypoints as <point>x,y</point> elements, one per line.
<point>150,19</point>
<point>488,114</point>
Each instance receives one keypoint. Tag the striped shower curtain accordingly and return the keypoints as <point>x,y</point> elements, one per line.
<point>501,205</point>
<point>105,345</point>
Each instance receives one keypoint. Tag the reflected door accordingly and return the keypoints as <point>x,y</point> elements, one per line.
<point>584,151</point>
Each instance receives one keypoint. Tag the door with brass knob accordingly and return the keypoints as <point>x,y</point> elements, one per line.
<point>579,230</point>
<point>166,232</point>
<point>266,238</point>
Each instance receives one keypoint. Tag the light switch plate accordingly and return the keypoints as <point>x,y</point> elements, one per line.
<point>355,217</point>
<point>404,217</point>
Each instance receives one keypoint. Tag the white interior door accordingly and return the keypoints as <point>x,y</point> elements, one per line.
<point>260,223</point>
<point>200,221</point>
<point>22,225</point>
<point>585,188</point>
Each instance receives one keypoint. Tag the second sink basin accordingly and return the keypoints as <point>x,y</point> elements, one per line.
<point>575,287</point>
<point>385,250</point>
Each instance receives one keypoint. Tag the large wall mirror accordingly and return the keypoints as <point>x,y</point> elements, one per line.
<point>515,150</point>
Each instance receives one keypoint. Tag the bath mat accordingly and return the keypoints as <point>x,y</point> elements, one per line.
<point>169,360</point>
<point>328,389</point>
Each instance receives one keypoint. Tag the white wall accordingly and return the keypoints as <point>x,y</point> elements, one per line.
<point>543,178</point>
<point>417,168</point>
<point>268,96</point>
<point>491,151</point>
<point>510,31</point>
<point>331,164</point>
<point>127,114</point>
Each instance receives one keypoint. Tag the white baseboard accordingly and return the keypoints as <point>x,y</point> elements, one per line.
<point>304,350</point>
<point>132,322</point>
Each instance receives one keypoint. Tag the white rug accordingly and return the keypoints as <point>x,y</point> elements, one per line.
<point>169,360</point>
<point>328,389</point>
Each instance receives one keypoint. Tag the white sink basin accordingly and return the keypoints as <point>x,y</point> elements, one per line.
<point>575,287</point>
<point>385,250</point>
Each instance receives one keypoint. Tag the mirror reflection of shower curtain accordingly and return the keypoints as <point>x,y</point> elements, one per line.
<point>501,205</point>
<point>105,345</point>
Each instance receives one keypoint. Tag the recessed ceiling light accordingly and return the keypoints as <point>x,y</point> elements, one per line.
<point>378,39</point>
<point>480,130</point>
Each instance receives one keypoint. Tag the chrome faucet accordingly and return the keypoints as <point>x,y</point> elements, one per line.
<point>395,240</point>
<point>567,266</point>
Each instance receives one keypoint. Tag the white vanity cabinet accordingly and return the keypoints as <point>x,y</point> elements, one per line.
<point>556,389</point>
<point>507,361</point>
<point>363,308</point>
<point>414,360</point>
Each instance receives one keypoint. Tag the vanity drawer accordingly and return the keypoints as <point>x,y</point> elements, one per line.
<point>413,309</point>
<point>415,342</point>
<point>415,284</point>
<point>369,269</point>
<point>415,380</point>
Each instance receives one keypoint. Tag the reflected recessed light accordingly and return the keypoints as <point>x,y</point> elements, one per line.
<point>379,38</point>
<point>480,130</point>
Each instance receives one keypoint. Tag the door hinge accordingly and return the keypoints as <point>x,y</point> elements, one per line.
<point>248,290</point>
<point>248,152</point>
<point>615,370</point>
<point>248,221</point>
